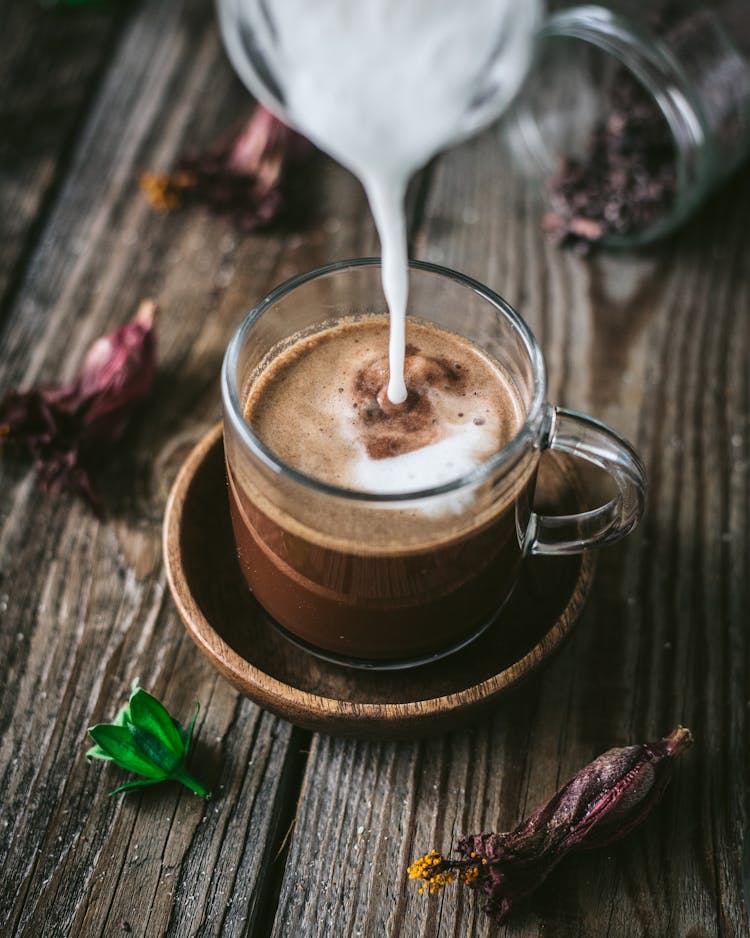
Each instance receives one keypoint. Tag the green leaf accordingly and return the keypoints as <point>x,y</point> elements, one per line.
<point>192,783</point>
<point>154,750</point>
<point>96,752</point>
<point>147,713</point>
<point>136,783</point>
<point>121,747</point>
<point>123,717</point>
<point>146,740</point>
<point>183,734</point>
<point>189,734</point>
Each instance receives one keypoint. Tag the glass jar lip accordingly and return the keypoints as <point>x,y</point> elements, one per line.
<point>233,411</point>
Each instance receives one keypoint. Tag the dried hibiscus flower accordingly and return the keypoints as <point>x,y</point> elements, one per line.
<point>66,428</point>
<point>603,802</point>
<point>245,178</point>
<point>624,182</point>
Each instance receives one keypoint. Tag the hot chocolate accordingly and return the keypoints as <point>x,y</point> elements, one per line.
<point>321,405</point>
<point>355,578</point>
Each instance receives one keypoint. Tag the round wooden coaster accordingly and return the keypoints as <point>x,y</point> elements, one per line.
<point>232,630</point>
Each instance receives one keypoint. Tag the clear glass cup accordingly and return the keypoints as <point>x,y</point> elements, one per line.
<point>322,560</point>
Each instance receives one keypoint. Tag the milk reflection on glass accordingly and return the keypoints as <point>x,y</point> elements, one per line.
<point>383,85</point>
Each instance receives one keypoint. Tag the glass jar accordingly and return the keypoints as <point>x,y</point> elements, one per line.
<point>632,115</point>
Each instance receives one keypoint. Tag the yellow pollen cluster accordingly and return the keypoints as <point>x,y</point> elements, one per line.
<point>468,876</point>
<point>164,191</point>
<point>424,868</point>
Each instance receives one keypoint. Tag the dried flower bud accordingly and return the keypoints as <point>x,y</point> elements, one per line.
<point>602,803</point>
<point>243,178</point>
<point>65,428</point>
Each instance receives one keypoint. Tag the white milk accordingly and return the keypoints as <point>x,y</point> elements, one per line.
<point>450,458</point>
<point>383,85</point>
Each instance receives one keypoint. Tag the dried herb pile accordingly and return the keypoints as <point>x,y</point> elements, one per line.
<point>624,182</point>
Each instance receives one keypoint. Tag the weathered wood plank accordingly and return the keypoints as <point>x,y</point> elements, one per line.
<point>658,345</point>
<point>84,606</point>
<point>654,344</point>
<point>50,63</point>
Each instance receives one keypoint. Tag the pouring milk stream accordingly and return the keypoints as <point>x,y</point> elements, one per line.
<point>382,86</point>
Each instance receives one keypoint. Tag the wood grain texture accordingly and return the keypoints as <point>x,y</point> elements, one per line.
<point>83,604</point>
<point>50,64</point>
<point>656,344</point>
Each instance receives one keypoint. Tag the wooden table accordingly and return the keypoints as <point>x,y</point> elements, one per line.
<point>311,835</point>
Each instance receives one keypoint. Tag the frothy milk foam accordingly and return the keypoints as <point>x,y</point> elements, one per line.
<point>320,404</point>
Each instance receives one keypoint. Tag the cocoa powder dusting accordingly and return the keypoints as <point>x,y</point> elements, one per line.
<point>387,429</point>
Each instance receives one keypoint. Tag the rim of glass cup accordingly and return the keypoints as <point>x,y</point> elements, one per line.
<point>230,395</point>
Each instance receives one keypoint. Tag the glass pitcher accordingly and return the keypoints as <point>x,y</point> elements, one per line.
<point>438,68</point>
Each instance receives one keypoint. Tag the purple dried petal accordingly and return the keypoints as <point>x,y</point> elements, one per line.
<point>117,374</point>
<point>603,802</point>
<point>65,428</point>
<point>264,146</point>
<point>243,178</point>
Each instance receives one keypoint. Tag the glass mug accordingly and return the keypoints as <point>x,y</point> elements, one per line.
<point>324,561</point>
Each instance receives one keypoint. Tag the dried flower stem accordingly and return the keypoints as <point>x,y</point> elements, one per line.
<point>603,802</point>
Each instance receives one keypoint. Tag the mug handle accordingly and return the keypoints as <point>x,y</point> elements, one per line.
<point>578,435</point>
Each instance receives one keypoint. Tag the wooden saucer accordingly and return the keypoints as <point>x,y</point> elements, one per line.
<point>231,629</point>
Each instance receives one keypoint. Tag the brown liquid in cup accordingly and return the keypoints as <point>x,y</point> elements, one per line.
<point>355,578</point>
